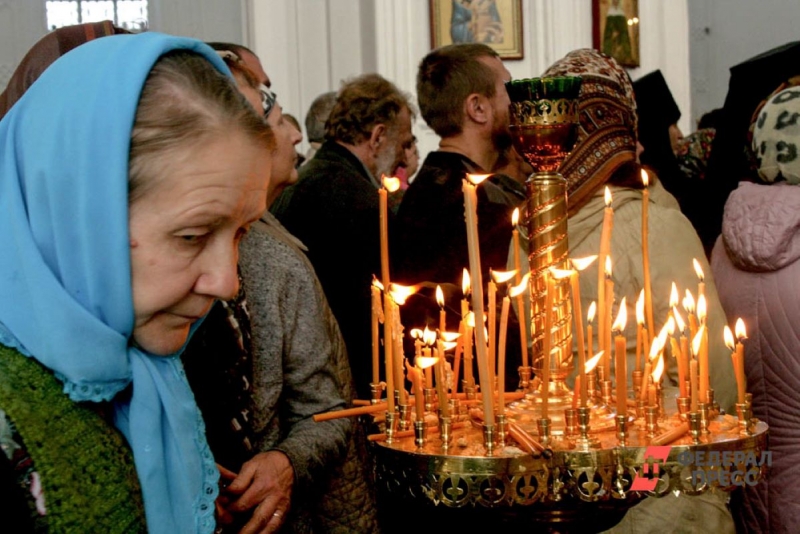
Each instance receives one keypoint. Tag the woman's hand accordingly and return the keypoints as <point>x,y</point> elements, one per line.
<point>264,485</point>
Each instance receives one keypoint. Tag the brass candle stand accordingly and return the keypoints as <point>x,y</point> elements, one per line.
<point>573,469</point>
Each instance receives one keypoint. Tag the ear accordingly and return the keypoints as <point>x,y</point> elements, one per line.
<point>377,137</point>
<point>477,109</point>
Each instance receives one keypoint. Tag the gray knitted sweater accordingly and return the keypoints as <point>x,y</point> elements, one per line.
<point>300,368</point>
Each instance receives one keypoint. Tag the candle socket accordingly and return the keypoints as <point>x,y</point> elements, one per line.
<point>660,401</point>
<point>525,378</point>
<point>429,394</point>
<point>606,390</point>
<point>748,398</point>
<point>502,430</point>
<point>745,413</point>
<point>684,404</point>
<point>571,421</point>
<point>713,405</point>
<point>420,433</point>
<point>405,416</point>
<point>591,384</point>
<point>695,427</point>
<point>488,439</point>
<point>445,426</point>
<point>637,382</point>
<point>469,390</point>
<point>455,407</point>
<point>543,427</point>
<point>651,421</point>
<point>704,418</point>
<point>640,406</point>
<point>622,429</point>
<point>376,392</point>
<point>390,422</point>
<point>584,442</point>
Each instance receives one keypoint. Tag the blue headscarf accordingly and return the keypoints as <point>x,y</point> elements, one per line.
<point>65,267</point>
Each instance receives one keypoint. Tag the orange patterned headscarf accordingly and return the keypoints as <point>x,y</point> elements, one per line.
<point>607,131</point>
<point>49,48</point>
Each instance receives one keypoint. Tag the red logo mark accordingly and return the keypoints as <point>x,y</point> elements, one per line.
<point>647,479</point>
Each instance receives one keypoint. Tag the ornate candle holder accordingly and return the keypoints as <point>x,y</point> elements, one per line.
<point>573,471</point>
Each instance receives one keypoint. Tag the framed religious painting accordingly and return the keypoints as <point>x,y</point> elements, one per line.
<point>615,29</point>
<point>497,23</point>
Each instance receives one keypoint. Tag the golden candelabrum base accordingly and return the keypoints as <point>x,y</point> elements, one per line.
<point>528,410</point>
<point>574,489</point>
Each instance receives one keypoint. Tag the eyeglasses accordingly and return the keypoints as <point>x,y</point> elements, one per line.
<point>268,99</point>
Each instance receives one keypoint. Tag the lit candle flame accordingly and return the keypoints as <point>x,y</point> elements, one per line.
<point>662,335</point>
<point>465,283</point>
<point>698,339</point>
<point>656,347</point>
<point>671,326</point>
<point>697,269</point>
<point>448,337</point>
<point>701,308</point>
<point>377,283</point>
<point>515,217</point>
<point>582,263</point>
<point>728,335</point>
<point>640,308</point>
<point>400,293</point>
<point>622,318</point>
<point>591,312</point>
<point>558,274</point>
<point>592,362</point>
<point>645,178</point>
<point>439,296</point>
<point>428,336</point>
<point>423,362</point>
<point>519,289</point>
<point>658,371</point>
<point>608,197</point>
<point>416,333</point>
<point>678,319</point>
<point>741,333</point>
<point>449,345</point>
<point>391,183</point>
<point>501,277</point>
<point>476,179</point>
<point>688,302</point>
<point>470,320</point>
<point>673,296</point>
<point>608,266</point>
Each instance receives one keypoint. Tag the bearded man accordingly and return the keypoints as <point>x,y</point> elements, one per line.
<point>333,208</point>
<point>462,97</point>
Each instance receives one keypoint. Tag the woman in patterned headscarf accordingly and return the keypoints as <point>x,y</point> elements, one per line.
<point>757,261</point>
<point>605,155</point>
<point>50,47</point>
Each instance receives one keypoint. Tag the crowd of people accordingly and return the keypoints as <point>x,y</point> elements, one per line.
<point>181,291</point>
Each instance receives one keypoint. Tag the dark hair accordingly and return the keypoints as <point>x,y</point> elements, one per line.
<point>233,47</point>
<point>186,101</point>
<point>629,174</point>
<point>363,103</point>
<point>446,77</point>
<point>318,115</point>
<point>711,119</point>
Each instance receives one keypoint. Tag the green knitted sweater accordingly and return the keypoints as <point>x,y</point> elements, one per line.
<point>86,468</point>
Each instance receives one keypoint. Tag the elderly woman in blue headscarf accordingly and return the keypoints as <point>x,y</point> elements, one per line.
<point>129,172</point>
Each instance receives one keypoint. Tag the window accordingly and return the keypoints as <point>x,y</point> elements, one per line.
<point>128,14</point>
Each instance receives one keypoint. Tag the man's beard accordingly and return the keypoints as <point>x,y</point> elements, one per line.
<point>501,138</point>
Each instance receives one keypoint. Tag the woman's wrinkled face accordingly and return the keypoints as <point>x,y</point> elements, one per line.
<point>184,235</point>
